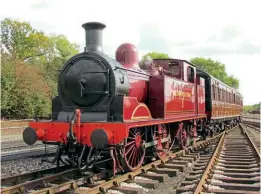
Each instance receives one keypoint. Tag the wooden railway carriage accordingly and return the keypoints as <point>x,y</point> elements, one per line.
<point>223,103</point>
<point>124,113</point>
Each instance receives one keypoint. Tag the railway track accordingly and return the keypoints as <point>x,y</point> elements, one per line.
<point>87,182</point>
<point>25,153</point>
<point>254,134</point>
<point>190,163</point>
<point>233,168</point>
<point>17,149</point>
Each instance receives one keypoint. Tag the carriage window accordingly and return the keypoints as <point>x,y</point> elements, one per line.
<point>190,74</point>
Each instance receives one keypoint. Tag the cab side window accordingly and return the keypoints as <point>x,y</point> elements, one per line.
<point>190,74</point>
<point>175,69</point>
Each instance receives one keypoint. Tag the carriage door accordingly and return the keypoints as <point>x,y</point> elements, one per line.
<point>200,95</point>
<point>189,89</point>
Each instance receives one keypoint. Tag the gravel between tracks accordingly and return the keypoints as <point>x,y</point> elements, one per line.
<point>171,183</point>
<point>19,166</point>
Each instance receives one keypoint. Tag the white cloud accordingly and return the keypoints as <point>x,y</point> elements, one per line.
<point>223,30</point>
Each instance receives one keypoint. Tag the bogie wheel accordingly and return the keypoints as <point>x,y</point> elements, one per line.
<point>161,148</point>
<point>133,153</point>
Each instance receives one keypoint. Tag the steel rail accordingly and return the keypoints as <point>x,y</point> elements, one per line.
<point>204,178</point>
<point>213,159</point>
<point>129,176</point>
<point>29,176</point>
<point>252,144</point>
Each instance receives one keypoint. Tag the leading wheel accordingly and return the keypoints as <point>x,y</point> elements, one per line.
<point>133,153</point>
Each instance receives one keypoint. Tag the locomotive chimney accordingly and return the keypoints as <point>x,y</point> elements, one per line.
<point>93,34</point>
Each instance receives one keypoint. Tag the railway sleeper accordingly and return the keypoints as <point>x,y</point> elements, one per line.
<point>159,177</point>
<point>129,190</point>
<point>179,162</point>
<point>173,166</point>
<point>236,162</point>
<point>227,191</point>
<point>235,170</point>
<point>188,159</point>
<point>170,172</point>
<point>237,166</point>
<point>237,180</point>
<point>191,182</point>
<point>237,175</point>
<point>150,184</point>
<point>190,177</point>
<point>234,186</point>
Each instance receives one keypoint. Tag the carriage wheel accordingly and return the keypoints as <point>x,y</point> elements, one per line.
<point>160,149</point>
<point>183,137</point>
<point>134,149</point>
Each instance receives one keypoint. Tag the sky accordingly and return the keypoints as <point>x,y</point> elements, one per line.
<point>227,31</point>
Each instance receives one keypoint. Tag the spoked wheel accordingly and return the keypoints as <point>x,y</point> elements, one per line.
<point>134,151</point>
<point>161,148</point>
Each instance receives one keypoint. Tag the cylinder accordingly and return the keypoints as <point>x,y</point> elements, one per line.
<point>93,36</point>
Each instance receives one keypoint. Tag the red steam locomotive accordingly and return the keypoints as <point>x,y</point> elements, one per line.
<point>126,111</point>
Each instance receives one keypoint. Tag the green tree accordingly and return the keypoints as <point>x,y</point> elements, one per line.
<point>59,51</point>
<point>21,41</point>
<point>24,92</point>
<point>155,55</point>
<point>29,62</point>
<point>150,57</point>
<point>252,108</point>
<point>216,69</point>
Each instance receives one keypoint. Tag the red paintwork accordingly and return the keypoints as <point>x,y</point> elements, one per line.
<point>169,100</point>
<point>170,97</point>
<point>117,132</point>
<point>78,123</point>
<point>201,95</point>
<point>179,97</point>
<point>138,86</point>
<point>40,133</point>
<point>127,55</point>
<point>156,97</point>
<point>57,131</point>
<point>133,110</point>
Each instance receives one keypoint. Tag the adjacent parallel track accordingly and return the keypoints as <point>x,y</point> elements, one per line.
<point>233,168</point>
